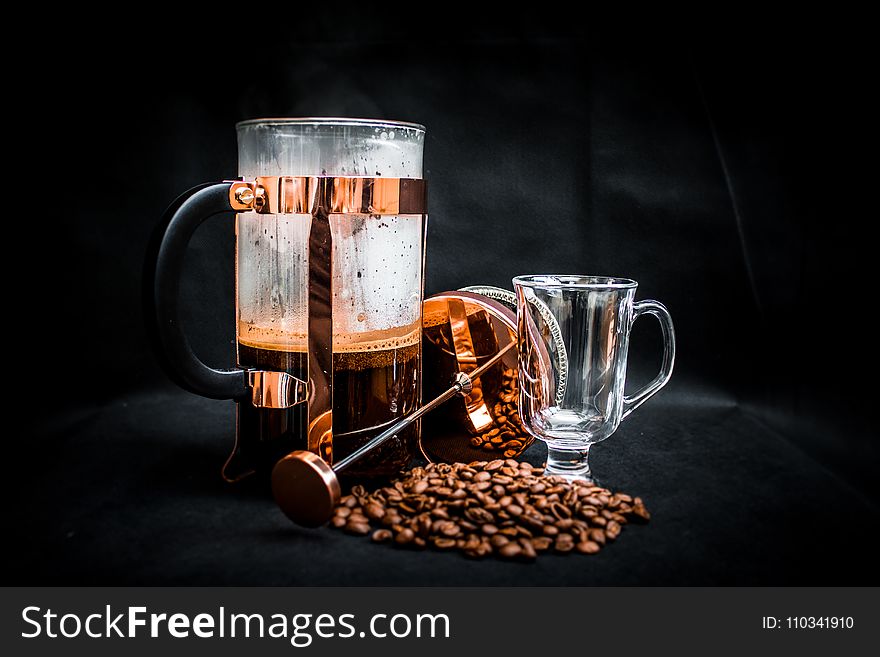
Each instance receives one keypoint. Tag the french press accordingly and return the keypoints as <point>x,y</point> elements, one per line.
<point>329,258</point>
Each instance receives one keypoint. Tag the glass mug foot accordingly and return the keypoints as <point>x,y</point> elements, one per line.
<point>569,463</point>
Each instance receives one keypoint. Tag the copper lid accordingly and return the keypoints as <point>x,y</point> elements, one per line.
<point>461,331</point>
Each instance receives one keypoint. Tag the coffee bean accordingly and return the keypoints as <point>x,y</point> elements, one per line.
<point>612,530</point>
<point>450,529</point>
<point>597,536</point>
<point>528,550</point>
<point>357,528</point>
<point>339,522</point>
<point>541,543</point>
<point>444,543</point>
<point>564,543</point>
<point>588,547</point>
<point>382,535</point>
<point>405,536</point>
<point>342,512</point>
<point>640,513</point>
<point>478,515</point>
<point>374,511</point>
<point>489,529</point>
<point>533,520</point>
<point>498,540</point>
<point>510,550</point>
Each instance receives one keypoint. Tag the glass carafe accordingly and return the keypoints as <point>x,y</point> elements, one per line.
<point>330,229</point>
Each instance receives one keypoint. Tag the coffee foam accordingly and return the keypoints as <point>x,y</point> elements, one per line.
<point>355,361</point>
<point>273,338</point>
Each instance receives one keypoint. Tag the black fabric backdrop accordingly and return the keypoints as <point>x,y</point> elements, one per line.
<point>717,165</point>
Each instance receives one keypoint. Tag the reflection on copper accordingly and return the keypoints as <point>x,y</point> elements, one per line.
<point>609,335</point>
<point>296,195</point>
<point>271,389</point>
<point>321,436</point>
<point>536,376</point>
<point>465,353</point>
<point>337,194</point>
<point>320,331</point>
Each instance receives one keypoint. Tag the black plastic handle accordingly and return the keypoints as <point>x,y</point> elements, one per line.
<point>163,268</point>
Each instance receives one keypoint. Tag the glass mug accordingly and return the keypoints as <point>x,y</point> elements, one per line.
<point>581,326</point>
<point>329,260</point>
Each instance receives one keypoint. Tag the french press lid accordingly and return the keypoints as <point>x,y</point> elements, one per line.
<point>463,329</point>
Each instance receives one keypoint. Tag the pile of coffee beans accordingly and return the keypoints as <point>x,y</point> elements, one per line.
<point>506,434</point>
<point>500,507</point>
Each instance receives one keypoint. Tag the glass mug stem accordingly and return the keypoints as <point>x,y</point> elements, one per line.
<point>569,463</point>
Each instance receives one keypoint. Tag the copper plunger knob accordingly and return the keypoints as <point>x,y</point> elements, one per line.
<point>305,488</point>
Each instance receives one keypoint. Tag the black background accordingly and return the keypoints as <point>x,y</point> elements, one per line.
<point>720,163</point>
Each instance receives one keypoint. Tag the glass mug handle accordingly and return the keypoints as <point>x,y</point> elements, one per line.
<point>651,307</point>
<point>164,264</point>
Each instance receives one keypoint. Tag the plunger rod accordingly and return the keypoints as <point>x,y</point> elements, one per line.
<point>462,385</point>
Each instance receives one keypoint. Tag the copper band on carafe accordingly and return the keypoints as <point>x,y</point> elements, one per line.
<point>338,195</point>
<point>320,335</point>
<point>321,197</point>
